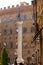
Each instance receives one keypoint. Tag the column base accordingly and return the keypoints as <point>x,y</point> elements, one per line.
<point>20,60</point>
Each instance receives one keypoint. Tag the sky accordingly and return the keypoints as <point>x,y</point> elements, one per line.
<point>6,3</point>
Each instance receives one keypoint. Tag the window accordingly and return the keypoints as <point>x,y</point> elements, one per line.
<point>5,38</point>
<point>11,18</point>
<point>24,30</point>
<point>28,51</point>
<point>32,29</point>
<point>32,16</point>
<point>9,37</point>
<point>10,31</point>
<point>25,45</point>
<point>4,19</point>
<point>24,17</point>
<point>28,58</point>
<point>17,18</point>
<point>16,37</point>
<point>5,32</point>
<point>10,45</point>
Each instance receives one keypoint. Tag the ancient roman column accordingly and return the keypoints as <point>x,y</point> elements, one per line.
<point>19,52</point>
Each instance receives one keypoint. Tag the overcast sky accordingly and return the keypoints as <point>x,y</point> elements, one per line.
<point>5,3</point>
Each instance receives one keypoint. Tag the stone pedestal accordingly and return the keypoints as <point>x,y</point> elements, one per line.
<point>19,52</point>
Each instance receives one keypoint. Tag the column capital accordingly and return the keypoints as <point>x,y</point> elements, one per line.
<point>19,22</point>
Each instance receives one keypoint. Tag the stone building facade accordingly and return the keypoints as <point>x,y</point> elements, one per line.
<point>9,30</point>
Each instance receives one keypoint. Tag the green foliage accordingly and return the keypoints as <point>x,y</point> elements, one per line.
<point>4,57</point>
<point>0,60</point>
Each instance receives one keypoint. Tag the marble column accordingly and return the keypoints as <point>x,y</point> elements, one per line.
<point>19,52</point>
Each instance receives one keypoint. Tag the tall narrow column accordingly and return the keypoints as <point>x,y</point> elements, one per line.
<point>19,52</point>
